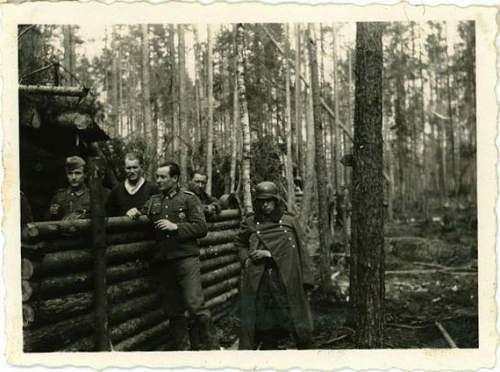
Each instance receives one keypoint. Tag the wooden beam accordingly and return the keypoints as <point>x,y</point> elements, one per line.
<point>54,91</point>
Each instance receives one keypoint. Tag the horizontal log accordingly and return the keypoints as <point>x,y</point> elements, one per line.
<point>160,343</point>
<point>66,243</point>
<point>223,225</point>
<point>63,307</point>
<point>26,290</point>
<point>28,315</point>
<point>68,261</point>
<point>222,298</point>
<point>64,333</point>
<point>218,237</point>
<point>136,325</point>
<point>221,287</point>
<point>216,262</point>
<point>53,90</point>
<point>27,268</point>
<point>145,336</point>
<point>57,286</point>
<point>226,214</point>
<point>216,250</point>
<point>219,274</point>
<point>75,227</point>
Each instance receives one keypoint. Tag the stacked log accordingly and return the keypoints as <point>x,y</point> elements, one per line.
<point>58,287</point>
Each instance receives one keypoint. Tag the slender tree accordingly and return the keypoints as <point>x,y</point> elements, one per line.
<point>289,155</point>
<point>320,165</point>
<point>245,123</point>
<point>210,128</point>
<point>367,250</point>
<point>146,103</point>
<point>183,129</point>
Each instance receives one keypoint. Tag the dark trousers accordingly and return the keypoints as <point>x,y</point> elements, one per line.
<point>179,285</point>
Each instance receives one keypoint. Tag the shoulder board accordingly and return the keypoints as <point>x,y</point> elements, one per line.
<point>188,192</point>
<point>155,196</point>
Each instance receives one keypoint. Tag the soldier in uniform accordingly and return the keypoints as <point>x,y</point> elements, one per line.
<point>197,185</point>
<point>72,202</point>
<point>130,196</point>
<point>277,275</point>
<point>178,221</point>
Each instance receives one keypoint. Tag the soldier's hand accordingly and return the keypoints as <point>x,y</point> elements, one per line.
<point>165,225</point>
<point>54,208</point>
<point>133,213</point>
<point>258,254</point>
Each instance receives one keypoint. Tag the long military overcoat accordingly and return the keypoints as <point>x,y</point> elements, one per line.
<point>285,240</point>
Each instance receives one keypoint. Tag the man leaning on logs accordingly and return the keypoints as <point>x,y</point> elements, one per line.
<point>130,196</point>
<point>72,202</point>
<point>178,220</point>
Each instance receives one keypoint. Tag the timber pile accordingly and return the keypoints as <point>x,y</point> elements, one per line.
<point>58,286</point>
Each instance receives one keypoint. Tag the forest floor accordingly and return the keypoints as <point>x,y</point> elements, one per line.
<point>431,283</point>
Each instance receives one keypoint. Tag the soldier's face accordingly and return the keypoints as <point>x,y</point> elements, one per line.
<point>268,206</point>
<point>76,177</point>
<point>164,180</point>
<point>133,169</point>
<point>199,183</point>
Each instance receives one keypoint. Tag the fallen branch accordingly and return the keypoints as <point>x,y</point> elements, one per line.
<point>446,335</point>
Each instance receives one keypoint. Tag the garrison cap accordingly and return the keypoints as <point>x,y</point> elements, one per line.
<point>74,162</point>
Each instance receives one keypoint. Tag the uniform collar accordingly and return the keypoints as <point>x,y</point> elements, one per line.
<point>172,193</point>
<point>79,192</point>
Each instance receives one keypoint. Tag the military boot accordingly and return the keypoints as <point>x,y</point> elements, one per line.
<point>208,337</point>
<point>180,333</point>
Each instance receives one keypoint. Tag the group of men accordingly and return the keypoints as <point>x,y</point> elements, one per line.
<point>276,268</point>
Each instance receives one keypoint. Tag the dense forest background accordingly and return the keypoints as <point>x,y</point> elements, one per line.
<point>172,91</point>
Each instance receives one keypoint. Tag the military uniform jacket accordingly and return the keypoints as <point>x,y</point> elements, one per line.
<point>184,209</point>
<point>285,240</point>
<point>72,204</point>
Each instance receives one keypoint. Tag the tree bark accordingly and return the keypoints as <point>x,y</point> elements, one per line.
<point>320,166</point>
<point>146,91</point>
<point>210,128</point>
<point>289,155</point>
<point>183,128</point>
<point>245,124</point>
<point>367,251</point>
<point>298,105</point>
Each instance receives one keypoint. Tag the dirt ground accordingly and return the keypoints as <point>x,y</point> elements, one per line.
<point>431,279</point>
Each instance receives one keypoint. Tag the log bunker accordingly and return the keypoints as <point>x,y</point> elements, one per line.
<point>59,289</point>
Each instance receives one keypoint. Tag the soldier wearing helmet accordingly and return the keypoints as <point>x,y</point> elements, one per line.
<point>72,202</point>
<point>277,274</point>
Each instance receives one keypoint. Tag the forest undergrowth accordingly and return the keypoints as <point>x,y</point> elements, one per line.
<point>431,286</point>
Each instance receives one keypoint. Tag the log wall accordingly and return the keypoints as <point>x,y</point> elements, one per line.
<point>58,286</point>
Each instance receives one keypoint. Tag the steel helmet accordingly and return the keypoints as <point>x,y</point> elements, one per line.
<point>266,190</point>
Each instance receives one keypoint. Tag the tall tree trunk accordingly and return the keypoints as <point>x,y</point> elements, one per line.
<point>146,91</point>
<point>422,120</point>
<point>183,129</point>
<point>197,61</point>
<point>245,124</point>
<point>336,133</point>
<point>114,84</point>
<point>451,125</point>
<point>69,53</point>
<point>298,105</point>
<point>320,166</point>
<point>309,173</point>
<point>210,129</point>
<point>367,251</point>
<point>236,120</point>
<point>173,94</point>
<point>289,155</point>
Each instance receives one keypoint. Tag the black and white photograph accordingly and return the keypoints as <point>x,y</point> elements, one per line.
<point>258,186</point>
